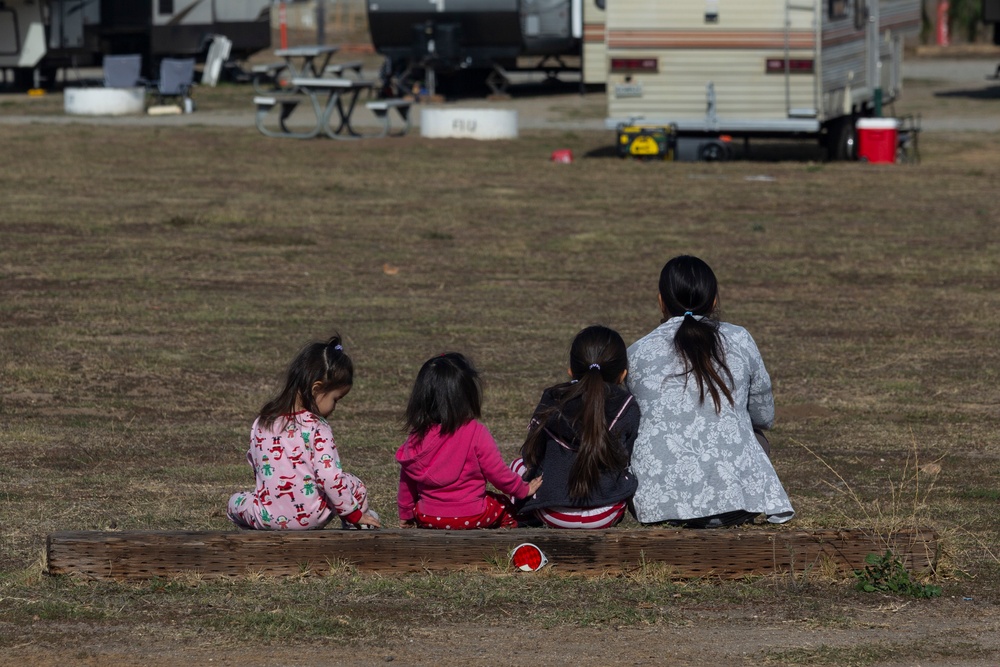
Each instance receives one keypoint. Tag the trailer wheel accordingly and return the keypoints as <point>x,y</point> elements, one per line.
<point>714,151</point>
<point>842,140</point>
<point>24,78</point>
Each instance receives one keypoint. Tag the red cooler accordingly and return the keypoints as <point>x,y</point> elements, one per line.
<point>877,139</point>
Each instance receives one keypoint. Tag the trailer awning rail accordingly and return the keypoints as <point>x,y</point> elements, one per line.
<point>724,126</point>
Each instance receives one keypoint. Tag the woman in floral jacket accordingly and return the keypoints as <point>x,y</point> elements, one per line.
<point>703,395</point>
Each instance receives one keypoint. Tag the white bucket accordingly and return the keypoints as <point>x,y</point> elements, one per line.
<point>104,101</point>
<point>459,123</point>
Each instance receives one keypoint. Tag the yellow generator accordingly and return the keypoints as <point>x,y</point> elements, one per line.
<point>648,143</point>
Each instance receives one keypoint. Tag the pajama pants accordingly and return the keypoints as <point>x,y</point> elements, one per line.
<point>499,513</point>
<point>245,510</point>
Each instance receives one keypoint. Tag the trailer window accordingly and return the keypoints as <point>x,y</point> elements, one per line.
<point>838,9</point>
<point>860,13</point>
<point>792,66</point>
<point>166,7</point>
<point>10,36</point>
<point>630,65</point>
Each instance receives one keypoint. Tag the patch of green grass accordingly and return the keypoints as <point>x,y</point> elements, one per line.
<point>278,624</point>
<point>433,235</point>
<point>824,654</point>
<point>978,494</point>
<point>348,605</point>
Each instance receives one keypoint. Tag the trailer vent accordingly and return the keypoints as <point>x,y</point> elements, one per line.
<point>795,66</point>
<point>628,65</point>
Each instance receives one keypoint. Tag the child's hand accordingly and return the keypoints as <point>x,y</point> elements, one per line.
<point>369,520</point>
<point>408,524</point>
<point>534,484</point>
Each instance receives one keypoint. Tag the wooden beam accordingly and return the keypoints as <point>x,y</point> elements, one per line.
<point>731,553</point>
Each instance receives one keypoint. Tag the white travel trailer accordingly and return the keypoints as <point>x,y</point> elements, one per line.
<point>756,68</point>
<point>39,36</point>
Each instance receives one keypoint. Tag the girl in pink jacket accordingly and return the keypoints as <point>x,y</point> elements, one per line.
<point>450,456</point>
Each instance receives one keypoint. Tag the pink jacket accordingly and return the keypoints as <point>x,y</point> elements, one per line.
<point>446,475</point>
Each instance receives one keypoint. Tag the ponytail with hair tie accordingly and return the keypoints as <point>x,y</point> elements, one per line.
<point>596,348</point>
<point>690,281</point>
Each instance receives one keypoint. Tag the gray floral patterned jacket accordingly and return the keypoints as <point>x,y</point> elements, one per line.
<point>690,461</point>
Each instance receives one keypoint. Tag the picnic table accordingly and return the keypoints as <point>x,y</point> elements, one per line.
<point>297,61</point>
<point>332,114</point>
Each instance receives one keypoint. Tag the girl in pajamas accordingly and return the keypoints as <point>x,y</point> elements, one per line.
<point>299,481</point>
<point>449,456</point>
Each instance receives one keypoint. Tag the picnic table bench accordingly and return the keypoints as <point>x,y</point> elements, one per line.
<point>722,553</point>
<point>270,77</point>
<point>381,109</point>
<point>339,69</point>
<point>287,103</point>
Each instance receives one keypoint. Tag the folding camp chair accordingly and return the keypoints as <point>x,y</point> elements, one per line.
<point>122,71</point>
<point>176,78</point>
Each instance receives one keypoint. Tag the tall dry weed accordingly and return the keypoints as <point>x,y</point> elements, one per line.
<point>900,514</point>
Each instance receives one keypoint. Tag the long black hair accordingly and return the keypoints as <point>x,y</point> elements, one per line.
<point>598,360</point>
<point>324,362</point>
<point>688,287</point>
<point>447,392</point>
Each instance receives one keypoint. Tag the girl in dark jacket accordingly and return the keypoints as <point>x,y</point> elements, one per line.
<point>581,438</point>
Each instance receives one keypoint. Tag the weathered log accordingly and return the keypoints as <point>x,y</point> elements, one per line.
<point>723,553</point>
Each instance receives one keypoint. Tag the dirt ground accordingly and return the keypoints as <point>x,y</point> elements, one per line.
<point>895,634</point>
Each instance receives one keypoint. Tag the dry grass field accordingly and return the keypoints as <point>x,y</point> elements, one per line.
<point>154,281</point>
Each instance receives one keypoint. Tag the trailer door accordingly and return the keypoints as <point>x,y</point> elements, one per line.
<point>798,12</point>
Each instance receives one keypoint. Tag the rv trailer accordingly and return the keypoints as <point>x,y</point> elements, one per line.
<point>39,36</point>
<point>485,38</point>
<point>756,68</point>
